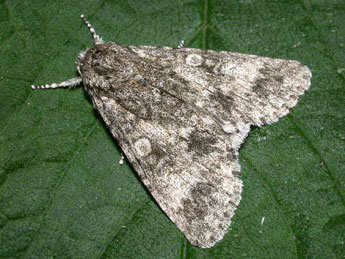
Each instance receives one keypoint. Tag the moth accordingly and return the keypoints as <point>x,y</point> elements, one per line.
<point>180,116</point>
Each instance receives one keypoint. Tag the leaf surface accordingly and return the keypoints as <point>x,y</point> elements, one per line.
<point>63,193</point>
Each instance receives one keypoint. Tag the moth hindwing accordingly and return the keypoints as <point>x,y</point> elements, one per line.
<point>180,116</point>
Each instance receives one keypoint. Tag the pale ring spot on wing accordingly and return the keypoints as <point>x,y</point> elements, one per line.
<point>194,60</point>
<point>143,147</point>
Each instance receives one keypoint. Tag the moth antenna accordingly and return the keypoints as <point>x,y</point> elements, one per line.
<point>96,38</point>
<point>68,83</point>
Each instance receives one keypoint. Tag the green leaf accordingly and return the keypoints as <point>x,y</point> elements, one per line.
<point>63,193</point>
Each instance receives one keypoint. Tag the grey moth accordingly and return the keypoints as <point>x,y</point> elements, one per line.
<point>180,116</point>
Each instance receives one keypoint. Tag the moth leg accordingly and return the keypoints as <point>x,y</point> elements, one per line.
<point>68,83</point>
<point>181,44</point>
<point>96,38</point>
<point>122,159</point>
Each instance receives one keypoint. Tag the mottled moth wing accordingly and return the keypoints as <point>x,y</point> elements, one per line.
<point>180,116</point>
<point>233,87</point>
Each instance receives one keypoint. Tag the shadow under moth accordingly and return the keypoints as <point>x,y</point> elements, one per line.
<point>181,114</point>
